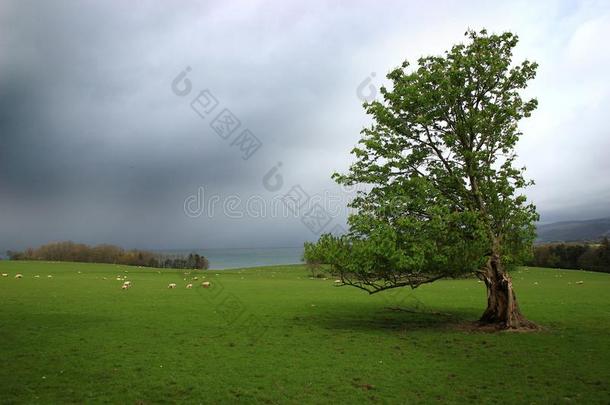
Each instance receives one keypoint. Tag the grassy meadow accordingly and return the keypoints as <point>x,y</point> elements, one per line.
<point>273,335</point>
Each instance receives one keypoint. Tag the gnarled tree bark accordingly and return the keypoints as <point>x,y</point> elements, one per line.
<point>502,307</point>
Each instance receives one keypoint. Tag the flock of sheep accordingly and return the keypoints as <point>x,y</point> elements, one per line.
<point>205,284</point>
<point>19,275</point>
<point>126,284</point>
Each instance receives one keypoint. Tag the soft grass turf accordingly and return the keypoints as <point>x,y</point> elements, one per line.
<point>79,338</point>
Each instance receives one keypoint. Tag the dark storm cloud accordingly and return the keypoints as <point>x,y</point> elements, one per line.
<point>95,146</point>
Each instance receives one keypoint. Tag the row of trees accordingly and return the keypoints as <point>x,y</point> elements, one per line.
<point>79,252</point>
<point>594,257</point>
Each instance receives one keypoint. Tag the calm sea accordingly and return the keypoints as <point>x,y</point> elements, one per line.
<point>247,257</point>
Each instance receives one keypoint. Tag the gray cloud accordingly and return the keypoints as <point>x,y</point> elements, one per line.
<point>95,147</point>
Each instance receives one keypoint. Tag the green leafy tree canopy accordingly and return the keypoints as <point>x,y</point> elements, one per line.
<point>443,190</point>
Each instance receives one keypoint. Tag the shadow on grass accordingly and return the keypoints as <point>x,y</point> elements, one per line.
<point>381,317</point>
<point>28,323</point>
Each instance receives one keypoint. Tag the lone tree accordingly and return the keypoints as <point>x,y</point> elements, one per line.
<point>442,189</point>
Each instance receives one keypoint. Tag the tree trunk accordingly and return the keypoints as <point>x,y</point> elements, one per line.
<point>502,307</point>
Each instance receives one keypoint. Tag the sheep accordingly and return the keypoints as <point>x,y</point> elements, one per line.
<point>49,276</point>
<point>125,287</point>
<point>195,278</point>
<point>205,284</point>
<point>127,283</point>
<point>4,274</point>
<point>18,275</point>
<point>119,279</point>
<point>580,282</point>
<point>338,282</point>
<point>171,285</point>
<point>189,286</point>
<point>37,276</point>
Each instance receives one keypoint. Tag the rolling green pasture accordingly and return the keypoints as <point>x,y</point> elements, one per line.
<point>273,335</point>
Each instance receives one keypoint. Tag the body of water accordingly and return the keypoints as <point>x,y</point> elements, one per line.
<point>246,257</point>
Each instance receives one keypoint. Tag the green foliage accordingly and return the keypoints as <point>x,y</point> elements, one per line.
<point>594,257</point>
<point>78,252</point>
<point>439,162</point>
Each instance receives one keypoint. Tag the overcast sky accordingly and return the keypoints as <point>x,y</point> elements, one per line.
<point>97,145</point>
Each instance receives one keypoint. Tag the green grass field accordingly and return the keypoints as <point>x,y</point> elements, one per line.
<point>273,335</point>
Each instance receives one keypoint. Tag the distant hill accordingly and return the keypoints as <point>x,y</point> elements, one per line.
<point>574,231</point>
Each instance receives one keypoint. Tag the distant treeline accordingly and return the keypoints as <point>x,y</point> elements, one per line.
<point>78,252</point>
<point>585,256</point>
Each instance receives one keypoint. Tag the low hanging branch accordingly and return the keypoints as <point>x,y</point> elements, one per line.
<point>373,286</point>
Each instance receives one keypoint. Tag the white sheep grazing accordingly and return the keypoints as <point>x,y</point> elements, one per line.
<point>125,287</point>
<point>4,274</point>
<point>195,278</point>
<point>119,279</point>
<point>127,283</point>
<point>50,276</point>
<point>37,276</point>
<point>205,284</point>
<point>171,285</point>
<point>18,275</point>
<point>338,282</point>
<point>189,286</point>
